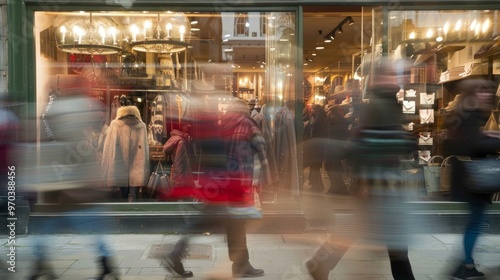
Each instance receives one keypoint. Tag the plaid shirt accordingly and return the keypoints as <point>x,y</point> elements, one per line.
<point>243,141</point>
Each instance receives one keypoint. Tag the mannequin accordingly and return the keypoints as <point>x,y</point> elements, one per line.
<point>125,159</point>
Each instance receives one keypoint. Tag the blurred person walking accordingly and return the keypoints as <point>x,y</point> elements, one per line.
<point>377,146</point>
<point>67,172</point>
<point>233,169</point>
<point>465,124</point>
<point>9,124</point>
<point>248,169</point>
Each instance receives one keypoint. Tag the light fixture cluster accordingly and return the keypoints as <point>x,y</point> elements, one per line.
<point>475,29</point>
<point>88,34</point>
<point>165,33</point>
<point>338,29</point>
<point>91,33</point>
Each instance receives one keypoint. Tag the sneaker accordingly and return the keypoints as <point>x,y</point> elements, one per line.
<point>246,270</point>
<point>465,273</point>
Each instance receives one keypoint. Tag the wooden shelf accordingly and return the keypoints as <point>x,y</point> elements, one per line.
<point>493,51</point>
<point>461,78</point>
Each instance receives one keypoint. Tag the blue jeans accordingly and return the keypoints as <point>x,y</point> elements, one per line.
<point>79,223</point>
<point>477,218</point>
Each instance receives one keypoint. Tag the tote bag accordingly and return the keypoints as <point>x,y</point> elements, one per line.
<point>432,174</point>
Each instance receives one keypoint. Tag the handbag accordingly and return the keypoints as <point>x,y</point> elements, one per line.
<point>411,93</point>
<point>483,174</point>
<point>156,153</point>
<point>425,138</point>
<point>492,123</point>
<point>427,98</point>
<point>426,116</point>
<point>408,107</point>
<point>445,175</point>
<point>158,182</point>
<point>431,175</point>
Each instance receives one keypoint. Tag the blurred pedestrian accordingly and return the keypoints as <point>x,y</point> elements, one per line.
<point>380,143</point>
<point>377,146</point>
<point>67,172</point>
<point>233,169</point>
<point>9,124</point>
<point>315,134</point>
<point>465,124</point>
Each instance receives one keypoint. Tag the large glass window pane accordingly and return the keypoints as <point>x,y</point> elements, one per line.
<point>171,66</point>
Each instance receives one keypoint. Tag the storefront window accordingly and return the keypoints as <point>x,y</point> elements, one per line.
<point>438,50</point>
<point>173,67</point>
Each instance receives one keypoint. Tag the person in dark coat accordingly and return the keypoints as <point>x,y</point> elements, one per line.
<point>180,147</point>
<point>468,139</point>
<point>315,130</point>
<point>338,133</point>
<point>376,148</point>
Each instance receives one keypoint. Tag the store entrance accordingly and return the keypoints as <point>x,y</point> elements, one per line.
<point>335,40</point>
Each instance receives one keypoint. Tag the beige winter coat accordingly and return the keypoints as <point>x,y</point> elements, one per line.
<point>125,159</point>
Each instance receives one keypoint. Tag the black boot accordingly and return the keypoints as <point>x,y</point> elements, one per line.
<point>43,271</point>
<point>172,261</point>
<point>107,271</point>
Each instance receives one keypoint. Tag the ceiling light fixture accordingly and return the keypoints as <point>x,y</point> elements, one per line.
<point>350,21</point>
<point>339,28</point>
<point>85,33</point>
<point>170,33</point>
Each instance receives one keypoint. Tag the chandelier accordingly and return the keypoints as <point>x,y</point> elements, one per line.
<point>85,33</point>
<point>167,33</point>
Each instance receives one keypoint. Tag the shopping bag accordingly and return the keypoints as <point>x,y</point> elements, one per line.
<point>431,174</point>
<point>158,182</point>
<point>445,175</point>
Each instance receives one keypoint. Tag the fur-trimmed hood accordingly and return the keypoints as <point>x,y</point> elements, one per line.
<point>127,111</point>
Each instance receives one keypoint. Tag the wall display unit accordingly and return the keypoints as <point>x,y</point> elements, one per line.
<point>441,49</point>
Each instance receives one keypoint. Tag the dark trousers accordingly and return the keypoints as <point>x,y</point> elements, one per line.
<point>335,172</point>
<point>400,263</point>
<point>237,241</point>
<point>315,176</point>
<point>477,219</point>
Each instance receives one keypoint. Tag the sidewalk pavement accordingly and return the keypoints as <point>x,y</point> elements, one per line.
<point>282,256</point>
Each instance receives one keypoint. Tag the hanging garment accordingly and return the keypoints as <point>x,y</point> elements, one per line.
<point>125,158</point>
<point>286,151</point>
<point>157,124</point>
<point>266,133</point>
